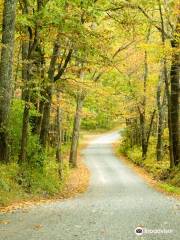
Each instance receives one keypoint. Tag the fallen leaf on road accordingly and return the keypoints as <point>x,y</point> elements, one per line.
<point>37,226</point>
<point>5,222</point>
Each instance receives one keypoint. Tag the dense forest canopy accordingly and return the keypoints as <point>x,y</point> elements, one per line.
<point>68,65</point>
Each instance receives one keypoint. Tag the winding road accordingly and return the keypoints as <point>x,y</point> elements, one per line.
<point>117,201</point>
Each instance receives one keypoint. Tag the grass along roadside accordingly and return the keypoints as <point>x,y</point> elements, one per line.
<point>159,185</point>
<point>75,182</point>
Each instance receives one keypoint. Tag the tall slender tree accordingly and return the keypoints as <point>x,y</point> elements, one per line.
<point>6,65</point>
<point>175,92</point>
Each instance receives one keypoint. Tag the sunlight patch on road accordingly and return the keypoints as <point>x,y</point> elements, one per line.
<point>108,139</point>
<point>100,174</point>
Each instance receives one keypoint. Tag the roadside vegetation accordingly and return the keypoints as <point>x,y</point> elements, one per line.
<point>166,178</point>
<point>67,65</point>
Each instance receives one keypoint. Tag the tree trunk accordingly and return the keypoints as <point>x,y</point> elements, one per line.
<point>150,130</point>
<point>46,118</point>
<point>8,32</point>
<point>159,136</point>
<point>160,126</point>
<point>166,79</point>
<point>39,119</point>
<point>171,155</point>
<point>29,47</point>
<point>143,135</point>
<point>25,97</point>
<point>143,111</point>
<point>24,136</point>
<point>175,95</point>
<point>47,104</point>
<point>59,138</point>
<point>76,130</point>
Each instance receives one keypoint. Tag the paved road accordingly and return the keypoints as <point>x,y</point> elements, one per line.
<point>116,202</point>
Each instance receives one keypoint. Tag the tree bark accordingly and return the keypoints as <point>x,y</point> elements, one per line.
<point>160,115</point>
<point>59,138</point>
<point>150,130</point>
<point>143,111</point>
<point>26,67</point>
<point>166,79</point>
<point>46,118</point>
<point>28,49</point>
<point>175,94</point>
<point>76,130</point>
<point>47,104</point>
<point>24,135</point>
<point>143,135</point>
<point>7,52</point>
<point>39,119</point>
<point>25,94</point>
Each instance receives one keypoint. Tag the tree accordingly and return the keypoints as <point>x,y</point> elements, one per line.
<point>76,130</point>
<point>6,68</point>
<point>175,92</point>
<point>168,28</point>
<point>31,49</point>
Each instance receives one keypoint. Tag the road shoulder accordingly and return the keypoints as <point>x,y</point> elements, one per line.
<point>157,185</point>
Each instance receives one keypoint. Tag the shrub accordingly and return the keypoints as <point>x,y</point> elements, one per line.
<point>8,175</point>
<point>39,182</point>
<point>174,177</point>
<point>9,188</point>
<point>135,155</point>
<point>15,126</point>
<point>35,153</point>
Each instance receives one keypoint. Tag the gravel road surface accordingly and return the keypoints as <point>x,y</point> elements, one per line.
<point>117,201</point>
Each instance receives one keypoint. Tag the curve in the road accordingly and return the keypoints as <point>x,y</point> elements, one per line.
<point>117,201</point>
